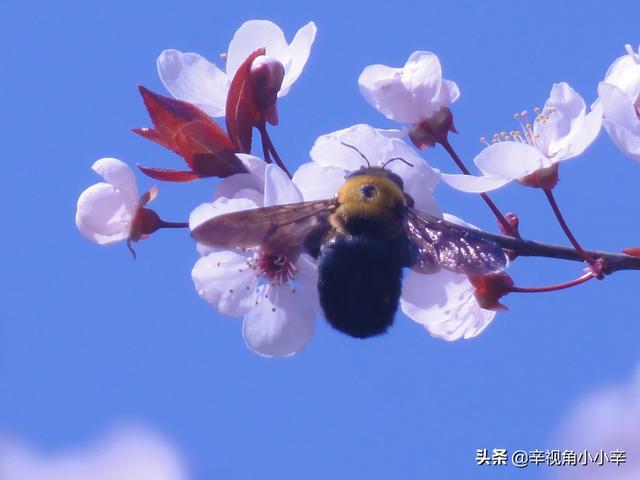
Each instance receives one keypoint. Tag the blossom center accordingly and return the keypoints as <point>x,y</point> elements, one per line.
<point>278,269</point>
<point>527,133</point>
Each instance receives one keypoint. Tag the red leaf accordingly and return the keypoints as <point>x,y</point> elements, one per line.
<point>154,136</point>
<point>169,115</point>
<point>192,134</point>
<point>241,112</point>
<point>168,174</point>
<point>207,153</point>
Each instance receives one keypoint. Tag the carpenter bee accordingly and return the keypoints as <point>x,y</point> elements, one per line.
<point>362,239</point>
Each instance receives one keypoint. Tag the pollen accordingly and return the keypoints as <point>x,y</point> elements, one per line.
<point>526,133</point>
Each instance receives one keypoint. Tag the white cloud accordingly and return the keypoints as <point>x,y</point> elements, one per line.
<point>606,419</point>
<point>125,453</point>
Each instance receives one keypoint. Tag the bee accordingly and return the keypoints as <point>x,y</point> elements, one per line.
<point>362,239</point>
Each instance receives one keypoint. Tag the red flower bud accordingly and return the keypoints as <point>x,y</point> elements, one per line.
<point>490,288</point>
<point>545,178</point>
<point>267,74</point>
<point>433,130</point>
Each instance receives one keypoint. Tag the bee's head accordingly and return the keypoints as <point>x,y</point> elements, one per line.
<point>372,199</point>
<point>376,171</point>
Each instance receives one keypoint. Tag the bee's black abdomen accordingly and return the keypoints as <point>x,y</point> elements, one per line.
<point>360,279</point>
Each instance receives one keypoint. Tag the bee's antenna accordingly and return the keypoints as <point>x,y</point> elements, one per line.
<point>356,149</point>
<point>396,158</point>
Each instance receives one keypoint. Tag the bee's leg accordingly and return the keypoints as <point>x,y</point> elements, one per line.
<point>337,222</point>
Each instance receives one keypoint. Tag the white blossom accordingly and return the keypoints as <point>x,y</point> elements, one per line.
<point>410,94</point>
<point>276,295</point>
<point>561,130</point>
<point>105,210</point>
<point>619,94</point>
<point>193,78</point>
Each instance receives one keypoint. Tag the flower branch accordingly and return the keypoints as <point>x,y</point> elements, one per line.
<point>565,227</point>
<point>529,248</point>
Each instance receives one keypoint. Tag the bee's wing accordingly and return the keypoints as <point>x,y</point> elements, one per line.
<point>279,228</point>
<point>442,244</point>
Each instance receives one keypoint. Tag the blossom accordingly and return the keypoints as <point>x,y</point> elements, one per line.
<point>105,210</point>
<point>560,131</point>
<point>608,420</point>
<point>112,211</point>
<point>415,94</point>
<point>275,293</point>
<point>409,94</point>
<point>191,77</point>
<point>126,453</point>
<point>619,94</point>
<point>443,302</point>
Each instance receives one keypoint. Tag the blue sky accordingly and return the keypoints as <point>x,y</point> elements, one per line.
<point>89,337</point>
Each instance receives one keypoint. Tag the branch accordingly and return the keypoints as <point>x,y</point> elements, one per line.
<point>529,248</point>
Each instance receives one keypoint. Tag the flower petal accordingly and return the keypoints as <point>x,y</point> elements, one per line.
<point>381,87</point>
<point>449,92</point>
<point>422,76</point>
<point>236,186</point>
<point>120,175</point>
<point>394,132</point>
<point>628,142</point>
<point>317,182</point>
<point>307,279</point>
<point>231,187</point>
<point>192,78</point>
<point>510,160</point>
<point>224,280</point>
<point>221,206</point>
<point>329,151</point>
<point>624,73</point>
<point>256,34</point>
<point>586,133</point>
<point>564,112</point>
<point>280,324</point>
<point>618,108</point>
<point>300,48</point>
<point>474,184</point>
<point>104,214</point>
<point>444,303</point>
<point>410,94</point>
<point>253,164</point>
<point>278,188</point>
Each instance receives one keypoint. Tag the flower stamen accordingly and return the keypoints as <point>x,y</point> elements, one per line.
<point>526,133</point>
<point>276,268</point>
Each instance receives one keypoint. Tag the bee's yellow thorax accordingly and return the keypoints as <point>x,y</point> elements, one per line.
<point>370,203</point>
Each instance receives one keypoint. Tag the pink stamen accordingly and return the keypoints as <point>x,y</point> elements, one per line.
<point>278,269</point>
